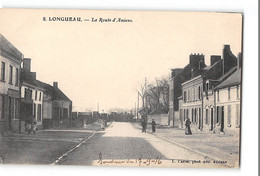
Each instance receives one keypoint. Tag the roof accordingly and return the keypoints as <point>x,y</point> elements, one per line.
<point>225,76</point>
<point>232,80</point>
<point>55,92</point>
<point>30,79</point>
<point>7,48</point>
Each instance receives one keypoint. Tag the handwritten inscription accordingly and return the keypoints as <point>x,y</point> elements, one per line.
<point>139,161</point>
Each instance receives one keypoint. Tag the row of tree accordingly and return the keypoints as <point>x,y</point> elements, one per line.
<point>155,95</point>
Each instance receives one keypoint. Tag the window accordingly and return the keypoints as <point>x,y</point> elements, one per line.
<point>207,90</point>
<point>11,75</point>
<point>3,71</point>
<point>199,93</point>
<point>194,94</point>
<point>40,97</point>
<point>229,93</point>
<point>207,116</point>
<point>16,77</point>
<point>185,96</point>
<point>36,94</point>
<point>195,115</point>
<point>229,116</point>
<point>2,105</point>
<point>34,109</point>
<point>188,96</point>
<point>184,114</point>
<point>192,113</point>
<point>25,92</point>
<point>16,108</point>
<point>207,86</point>
<point>30,94</point>
<point>39,113</point>
<point>237,91</point>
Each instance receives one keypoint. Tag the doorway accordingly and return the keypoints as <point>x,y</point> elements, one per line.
<point>222,119</point>
<point>211,119</point>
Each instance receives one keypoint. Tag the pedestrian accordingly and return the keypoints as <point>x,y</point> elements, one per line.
<point>34,125</point>
<point>187,128</point>
<point>153,125</point>
<point>143,125</point>
<point>28,126</point>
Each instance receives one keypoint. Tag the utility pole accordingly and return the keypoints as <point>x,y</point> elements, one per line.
<point>145,93</point>
<point>98,107</point>
<point>137,105</point>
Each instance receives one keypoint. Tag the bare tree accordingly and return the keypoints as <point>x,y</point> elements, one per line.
<point>157,95</point>
<point>142,92</point>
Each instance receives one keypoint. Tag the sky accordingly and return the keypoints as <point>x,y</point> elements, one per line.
<point>104,63</point>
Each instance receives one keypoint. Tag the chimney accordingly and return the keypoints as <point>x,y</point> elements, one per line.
<point>229,59</point>
<point>55,84</point>
<point>214,59</point>
<point>196,60</point>
<point>27,64</point>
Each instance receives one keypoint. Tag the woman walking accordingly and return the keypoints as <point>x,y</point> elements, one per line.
<point>187,128</point>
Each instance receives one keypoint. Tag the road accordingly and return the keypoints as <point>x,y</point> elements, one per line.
<point>123,144</point>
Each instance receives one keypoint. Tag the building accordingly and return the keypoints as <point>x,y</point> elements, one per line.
<point>197,100</point>
<point>31,96</point>
<point>178,76</point>
<point>10,58</point>
<point>57,107</point>
<point>227,102</point>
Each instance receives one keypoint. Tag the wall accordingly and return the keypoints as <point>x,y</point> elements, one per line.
<point>161,119</point>
<point>47,106</point>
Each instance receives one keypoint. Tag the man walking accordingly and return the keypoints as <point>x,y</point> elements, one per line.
<point>153,125</point>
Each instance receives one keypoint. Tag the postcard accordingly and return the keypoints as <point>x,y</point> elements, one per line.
<point>120,88</point>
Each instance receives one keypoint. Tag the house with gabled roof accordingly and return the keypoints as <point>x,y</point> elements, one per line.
<point>57,106</point>
<point>227,103</point>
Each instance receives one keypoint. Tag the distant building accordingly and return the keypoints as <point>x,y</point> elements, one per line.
<point>31,96</point>
<point>10,60</point>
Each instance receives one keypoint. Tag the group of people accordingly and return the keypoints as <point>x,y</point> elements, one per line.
<point>144,125</point>
<point>187,126</point>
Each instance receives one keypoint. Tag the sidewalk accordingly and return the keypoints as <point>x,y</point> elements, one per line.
<point>214,145</point>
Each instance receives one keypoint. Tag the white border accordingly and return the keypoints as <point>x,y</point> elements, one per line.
<point>249,162</point>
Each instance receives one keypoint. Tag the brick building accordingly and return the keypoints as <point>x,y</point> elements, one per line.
<point>10,58</point>
<point>197,100</point>
<point>178,76</point>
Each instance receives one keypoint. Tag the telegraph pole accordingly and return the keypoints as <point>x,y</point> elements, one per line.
<point>137,105</point>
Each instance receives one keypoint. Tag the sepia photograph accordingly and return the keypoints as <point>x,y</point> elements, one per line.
<point>121,88</point>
